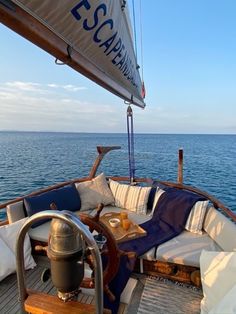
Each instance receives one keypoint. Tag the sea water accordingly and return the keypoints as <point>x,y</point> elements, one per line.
<point>33,160</point>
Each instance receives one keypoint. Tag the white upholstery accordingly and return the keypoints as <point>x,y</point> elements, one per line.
<point>220,229</point>
<point>218,271</point>
<point>7,260</point>
<point>41,232</point>
<point>184,249</point>
<point>9,233</point>
<point>227,304</point>
<point>15,212</point>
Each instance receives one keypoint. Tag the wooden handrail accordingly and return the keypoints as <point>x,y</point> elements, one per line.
<point>148,181</point>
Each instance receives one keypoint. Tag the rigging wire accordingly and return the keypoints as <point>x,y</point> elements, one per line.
<point>143,91</point>
<point>130,133</point>
<point>135,35</point>
<point>141,37</point>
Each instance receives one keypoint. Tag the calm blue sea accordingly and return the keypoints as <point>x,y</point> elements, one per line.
<point>31,161</point>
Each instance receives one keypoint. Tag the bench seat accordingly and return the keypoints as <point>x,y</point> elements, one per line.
<point>184,249</point>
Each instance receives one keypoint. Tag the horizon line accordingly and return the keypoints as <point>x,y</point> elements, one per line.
<point>83,132</point>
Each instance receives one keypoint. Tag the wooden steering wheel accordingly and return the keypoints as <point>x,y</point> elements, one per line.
<point>112,252</point>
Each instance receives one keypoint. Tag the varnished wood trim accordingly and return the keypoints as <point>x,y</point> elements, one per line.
<point>41,303</point>
<point>4,222</point>
<point>178,272</point>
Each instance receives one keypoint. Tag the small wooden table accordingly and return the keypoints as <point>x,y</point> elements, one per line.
<point>121,235</point>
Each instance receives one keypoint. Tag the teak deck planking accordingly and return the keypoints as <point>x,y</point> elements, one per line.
<point>9,295</point>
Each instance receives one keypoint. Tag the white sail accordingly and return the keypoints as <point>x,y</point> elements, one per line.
<point>99,33</point>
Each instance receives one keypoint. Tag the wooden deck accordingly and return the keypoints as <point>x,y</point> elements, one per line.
<point>9,303</point>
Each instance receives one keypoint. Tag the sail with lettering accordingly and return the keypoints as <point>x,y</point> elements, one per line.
<point>93,37</point>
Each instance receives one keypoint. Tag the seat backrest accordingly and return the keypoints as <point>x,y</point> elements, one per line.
<point>221,229</point>
<point>15,211</point>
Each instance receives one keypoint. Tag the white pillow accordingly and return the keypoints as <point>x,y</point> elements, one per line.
<point>227,304</point>
<point>133,198</point>
<point>218,276</point>
<point>158,194</point>
<point>196,217</point>
<point>120,193</point>
<point>7,261</point>
<point>94,192</point>
<point>9,233</point>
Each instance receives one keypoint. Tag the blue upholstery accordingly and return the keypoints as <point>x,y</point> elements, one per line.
<point>65,198</point>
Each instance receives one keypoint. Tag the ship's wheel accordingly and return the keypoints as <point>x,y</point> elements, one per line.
<point>110,252</point>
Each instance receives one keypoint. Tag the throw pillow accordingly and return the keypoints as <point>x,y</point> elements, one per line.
<point>7,261</point>
<point>94,192</point>
<point>65,198</point>
<point>120,193</point>
<point>218,271</point>
<point>196,217</point>
<point>9,233</point>
<point>133,198</point>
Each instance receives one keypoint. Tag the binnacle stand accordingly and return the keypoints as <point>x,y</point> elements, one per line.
<point>38,303</point>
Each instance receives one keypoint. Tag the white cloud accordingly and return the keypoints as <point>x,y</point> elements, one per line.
<point>68,87</point>
<point>24,86</point>
<point>73,88</point>
<point>37,107</point>
<point>53,85</point>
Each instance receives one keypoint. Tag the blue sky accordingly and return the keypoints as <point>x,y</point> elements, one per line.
<point>189,50</point>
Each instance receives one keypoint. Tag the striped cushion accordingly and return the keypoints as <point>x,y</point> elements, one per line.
<point>196,217</point>
<point>133,198</point>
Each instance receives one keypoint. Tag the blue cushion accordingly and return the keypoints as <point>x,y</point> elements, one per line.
<point>65,198</point>
<point>68,198</point>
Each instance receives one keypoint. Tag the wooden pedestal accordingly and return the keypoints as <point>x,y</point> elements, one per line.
<point>41,303</point>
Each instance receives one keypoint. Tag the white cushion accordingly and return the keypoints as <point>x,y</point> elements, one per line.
<point>133,198</point>
<point>221,229</point>
<point>41,232</point>
<point>7,260</point>
<point>185,249</point>
<point>218,277</point>
<point>15,211</point>
<point>9,233</point>
<point>158,194</point>
<point>196,217</point>
<point>227,304</point>
<point>94,192</point>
